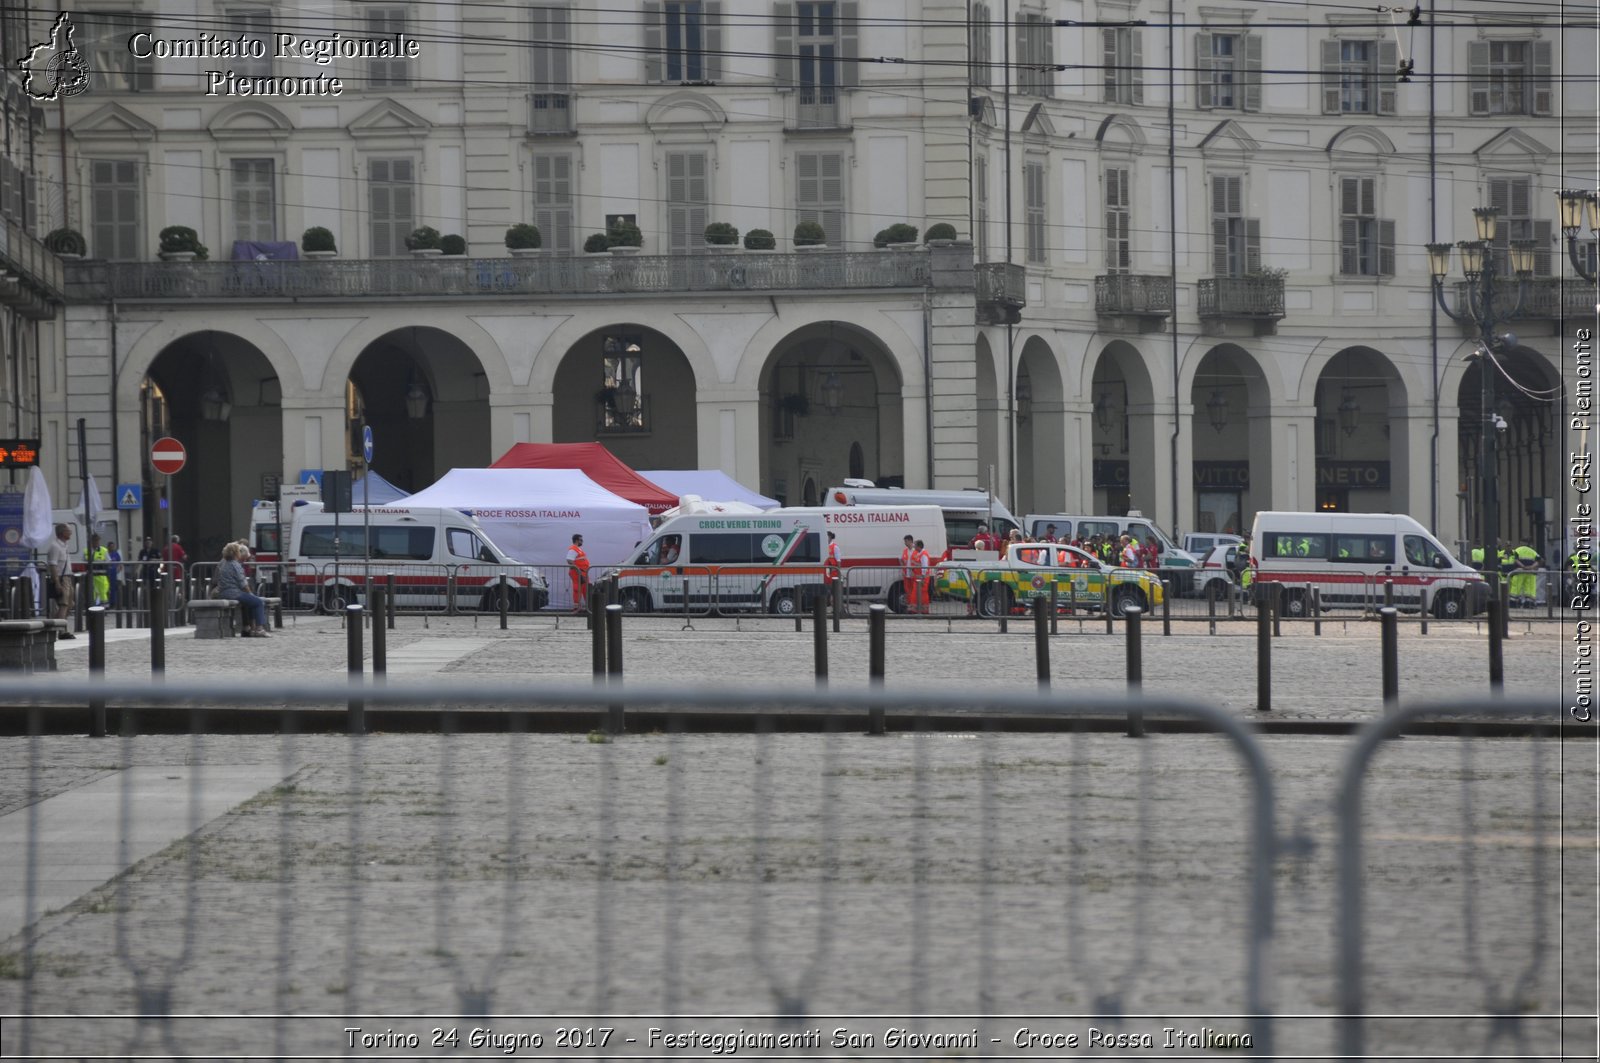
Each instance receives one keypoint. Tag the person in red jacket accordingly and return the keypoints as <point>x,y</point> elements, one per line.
<point>578,570</point>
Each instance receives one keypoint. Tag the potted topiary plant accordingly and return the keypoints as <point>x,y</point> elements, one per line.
<point>597,244</point>
<point>452,245</point>
<point>423,241</point>
<point>317,242</point>
<point>179,243</point>
<point>899,234</point>
<point>760,240</point>
<point>67,243</point>
<point>940,232</point>
<point>721,236</point>
<point>808,235</point>
<point>523,240</point>
<point>625,237</point>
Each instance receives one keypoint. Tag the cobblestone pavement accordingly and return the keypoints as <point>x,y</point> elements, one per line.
<point>1058,880</point>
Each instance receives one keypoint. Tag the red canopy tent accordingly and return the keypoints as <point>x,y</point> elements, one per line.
<point>595,462</point>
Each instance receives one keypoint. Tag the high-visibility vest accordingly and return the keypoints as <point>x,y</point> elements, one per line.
<point>908,558</point>
<point>1527,556</point>
<point>577,559</point>
<point>921,562</point>
<point>831,573</point>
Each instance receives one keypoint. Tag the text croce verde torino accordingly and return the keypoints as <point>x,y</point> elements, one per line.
<point>319,50</point>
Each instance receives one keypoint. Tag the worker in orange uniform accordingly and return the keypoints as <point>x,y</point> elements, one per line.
<point>922,565</point>
<point>908,574</point>
<point>833,564</point>
<point>578,569</point>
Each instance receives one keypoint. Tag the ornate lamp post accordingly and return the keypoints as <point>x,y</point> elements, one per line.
<point>1578,206</point>
<point>1484,306</point>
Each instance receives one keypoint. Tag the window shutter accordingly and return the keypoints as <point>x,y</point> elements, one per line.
<point>713,39</point>
<point>1252,245</point>
<point>1251,71</point>
<point>1023,79</point>
<point>830,174</point>
<point>677,197</point>
<point>1137,72</point>
<point>1478,77</point>
<point>1385,77</point>
<point>1219,247</point>
<point>1539,77</point>
<point>1204,93</point>
<point>1542,239</point>
<point>1349,237</point>
<point>1349,195</point>
<point>1369,196</point>
<point>783,45</point>
<point>654,38</point>
<point>1330,77</point>
<point>1385,248</point>
<point>849,45</point>
<point>1108,49</point>
<point>1047,77</point>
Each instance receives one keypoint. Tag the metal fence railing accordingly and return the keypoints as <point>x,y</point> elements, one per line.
<point>1035,886</point>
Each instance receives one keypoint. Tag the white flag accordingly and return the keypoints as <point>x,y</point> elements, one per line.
<point>91,500</point>
<point>37,530</point>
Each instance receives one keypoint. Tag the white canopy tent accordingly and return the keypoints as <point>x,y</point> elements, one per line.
<point>712,485</point>
<point>532,514</point>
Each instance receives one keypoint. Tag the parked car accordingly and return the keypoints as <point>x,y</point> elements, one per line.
<point>1029,570</point>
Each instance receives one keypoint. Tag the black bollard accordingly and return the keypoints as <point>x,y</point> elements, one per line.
<point>1388,594</point>
<point>1263,651</point>
<point>1211,604</point>
<point>1041,643</point>
<point>505,601</point>
<point>615,724</point>
<point>1389,622</point>
<point>1505,608</point>
<point>158,623</point>
<point>380,639</point>
<point>1316,610</point>
<point>1055,606</point>
<point>1497,660</point>
<point>1166,607</point>
<point>1109,606</point>
<point>597,635</point>
<point>875,625</point>
<point>1134,619</point>
<point>1276,597</point>
<point>388,585</point>
<point>819,638</point>
<point>97,669</point>
<point>356,710</point>
<point>688,623</point>
<point>836,592</point>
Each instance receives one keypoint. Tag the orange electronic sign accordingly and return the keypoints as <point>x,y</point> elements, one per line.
<point>18,453</point>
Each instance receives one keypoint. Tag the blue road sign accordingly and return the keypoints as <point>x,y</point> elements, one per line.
<point>311,476</point>
<point>366,443</point>
<point>130,496</point>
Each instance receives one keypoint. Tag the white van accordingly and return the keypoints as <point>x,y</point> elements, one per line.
<point>439,557</point>
<point>1347,558</point>
<point>963,510</point>
<point>773,561</point>
<point>1073,526</point>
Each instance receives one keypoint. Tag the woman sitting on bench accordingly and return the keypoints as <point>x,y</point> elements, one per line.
<point>234,586</point>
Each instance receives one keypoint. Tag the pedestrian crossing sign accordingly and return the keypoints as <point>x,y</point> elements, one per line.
<point>130,496</point>
<point>311,476</point>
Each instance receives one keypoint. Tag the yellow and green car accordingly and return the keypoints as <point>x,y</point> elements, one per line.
<point>1029,570</point>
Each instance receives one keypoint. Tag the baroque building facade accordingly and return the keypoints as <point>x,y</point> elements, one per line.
<point>1188,276</point>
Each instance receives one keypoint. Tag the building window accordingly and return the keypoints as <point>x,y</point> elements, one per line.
<point>1122,49</point>
<point>1366,242</point>
<point>1229,68</point>
<point>550,36</point>
<point>978,32</point>
<point>104,36</point>
<point>1509,77</point>
<point>819,192</point>
<point>391,204</point>
<point>1033,182</point>
<point>552,200</point>
<point>386,22</point>
<point>252,24</point>
<point>254,200</point>
<point>1035,56</point>
<point>1235,239</point>
<point>688,194</point>
<point>622,406</point>
<point>1358,77</point>
<point>1119,246</point>
<point>114,202</point>
<point>683,41</point>
<point>1513,197</point>
<point>980,197</point>
<point>816,64</point>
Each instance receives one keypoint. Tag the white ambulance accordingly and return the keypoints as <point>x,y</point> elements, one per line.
<point>963,510</point>
<point>1348,557</point>
<point>774,561</point>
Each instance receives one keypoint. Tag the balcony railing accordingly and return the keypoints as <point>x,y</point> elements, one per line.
<point>1002,290</point>
<point>39,283</point>
<point>544,275</point>
<point>549,113</point>
<point>1548,298</point>
<point>817,109</point>
<point>1247,297</point>
<point>1129,293</point>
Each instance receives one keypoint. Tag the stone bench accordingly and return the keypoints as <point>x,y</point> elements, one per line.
<point>21,642</point>
<point>222,618</point>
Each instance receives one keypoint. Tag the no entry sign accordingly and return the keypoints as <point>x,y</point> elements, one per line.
<point>167,456</point>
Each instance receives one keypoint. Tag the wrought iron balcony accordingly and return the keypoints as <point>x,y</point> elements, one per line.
<point>1548,298</point>
<point>1002,291</point>
<point>1259,298</point>
<point>31,282</point>
<point>459,278</point>
<point>1133,294</point>
<point>549,113</point>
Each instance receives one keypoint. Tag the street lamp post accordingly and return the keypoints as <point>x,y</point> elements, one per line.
<point>1578,206</point>
<point>1483,307</point>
